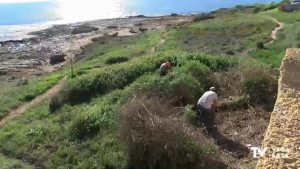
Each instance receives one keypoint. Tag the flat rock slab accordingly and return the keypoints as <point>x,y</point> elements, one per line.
<point>17,63</point>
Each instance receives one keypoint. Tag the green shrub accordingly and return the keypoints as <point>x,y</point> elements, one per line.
<point>271,6</point>
<point>197,70</point>
<point>257,9</point>
<point>55,103</point>
<point>176,84</point>
<point>236,104</point>
<point>104,80</point>
<point>186,87</point>
<point>98,117</point>
<point>261,90</point>
<point>190,115</point>
<point>213,62</point>
<point>241,103</point>
<point>260,45</point>
<point>85,126</point>
<point>203,17</point>
<point>117,59</point>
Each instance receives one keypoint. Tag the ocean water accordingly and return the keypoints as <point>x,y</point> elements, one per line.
<point>18,17</point>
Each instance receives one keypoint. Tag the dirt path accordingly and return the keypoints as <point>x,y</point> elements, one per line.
<point>276,30</point>
<point>273,36</point>
<point>25,106</point>
<point>161,41</point>
<point>283,131</point>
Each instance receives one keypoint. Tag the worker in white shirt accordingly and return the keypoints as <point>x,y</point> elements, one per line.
<point>207,105</point>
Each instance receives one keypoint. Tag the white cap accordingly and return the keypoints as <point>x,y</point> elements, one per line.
<point>212,89</point>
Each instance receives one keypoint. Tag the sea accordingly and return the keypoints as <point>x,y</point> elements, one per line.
<point>19,17</point>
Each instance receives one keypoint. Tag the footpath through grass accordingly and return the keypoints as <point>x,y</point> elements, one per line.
<point>12,96</point>
<point>287,38</point>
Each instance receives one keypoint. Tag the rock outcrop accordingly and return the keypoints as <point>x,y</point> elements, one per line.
<point>283,134</point>
<point>84,29</point>
<point>57,58</point>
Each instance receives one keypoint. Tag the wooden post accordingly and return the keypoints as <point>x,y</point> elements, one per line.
<point>71,66</point>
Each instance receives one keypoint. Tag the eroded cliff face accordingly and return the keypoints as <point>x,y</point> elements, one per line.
<point>282,138</point>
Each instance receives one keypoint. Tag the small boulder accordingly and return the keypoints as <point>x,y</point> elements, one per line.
<point>230,52</point>
<point>57,58</point>
<point>132,30</point>
<point>143,29</point>
<point>99,39</point>
<point>116,34</point>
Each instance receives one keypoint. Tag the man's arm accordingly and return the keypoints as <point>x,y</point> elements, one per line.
<point>215,103</point>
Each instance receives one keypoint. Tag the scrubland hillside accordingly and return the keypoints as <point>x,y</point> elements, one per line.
<point>115,111</point>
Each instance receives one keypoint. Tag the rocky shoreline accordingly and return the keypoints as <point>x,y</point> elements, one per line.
<point>50,49</point>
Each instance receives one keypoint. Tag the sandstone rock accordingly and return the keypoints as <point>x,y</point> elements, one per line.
<point>57,58</point>
<point>283,130</point>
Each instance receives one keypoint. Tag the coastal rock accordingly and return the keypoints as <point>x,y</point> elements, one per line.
<point>84,29</point>
<point>17,63</point>
<point>57,58</point>
<point>3,72</point>
<point>143,29</point>
<point>138,16</point>
<point>132,30</point>
<point>55,30</point>
<point>112,27</point>
<point>99,39</point>
<point>116,34</point>
<point>138,24</point>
